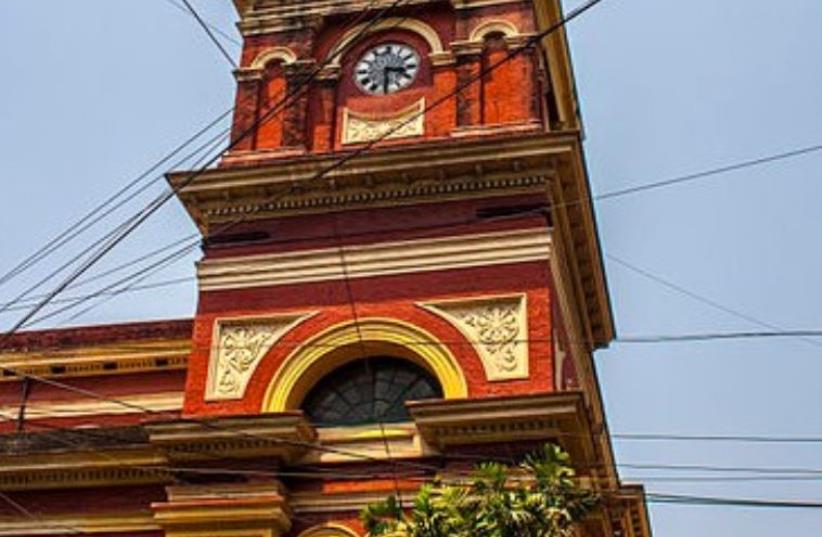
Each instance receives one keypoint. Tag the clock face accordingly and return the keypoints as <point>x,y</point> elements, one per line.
<point>387,68</point>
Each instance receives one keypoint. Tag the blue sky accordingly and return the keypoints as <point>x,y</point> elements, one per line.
<point>95,91</point>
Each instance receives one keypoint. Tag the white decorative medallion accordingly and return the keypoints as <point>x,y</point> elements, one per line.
<point>238,346</point>
<point>498,329</point>
<point>360,128</point>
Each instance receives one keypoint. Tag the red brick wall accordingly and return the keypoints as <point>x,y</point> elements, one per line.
<point>389,296</point>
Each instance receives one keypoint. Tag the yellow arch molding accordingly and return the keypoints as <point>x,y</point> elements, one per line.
<point>328,530</point>
<point>341,344</point>
<point>504,27</point>
<point>273,53</point>
<point>413,25</point>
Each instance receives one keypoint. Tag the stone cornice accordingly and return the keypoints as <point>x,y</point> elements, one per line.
<point>110,359</point>
<point>80,466</point>
<point>281,436</point>
<point>166,402</point>
<point>560,416</point>
<point>635,509</point>
<point>394,175</point>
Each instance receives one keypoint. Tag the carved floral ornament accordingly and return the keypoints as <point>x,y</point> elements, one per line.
<point>498,329</point>
<point>238,346</point>
<point>359,128</point>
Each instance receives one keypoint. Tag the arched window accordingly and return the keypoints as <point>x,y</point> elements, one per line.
<point>373,390</point>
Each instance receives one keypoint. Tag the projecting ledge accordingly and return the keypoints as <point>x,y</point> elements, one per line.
<point>284,436</point>
<point>559,417</point>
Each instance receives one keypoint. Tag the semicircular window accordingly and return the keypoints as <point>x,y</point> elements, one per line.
<point>373,390</point>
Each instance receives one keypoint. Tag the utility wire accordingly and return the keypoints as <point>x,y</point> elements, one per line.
<point>108,236</point>
<point>756,439</point>
<point>709,173</point>
<point>652,497</point>
<point>678,499</point>
<point>89,218</point>
<point>207,29</point>
<point>135,221</point>
<point>698,297</point>
<point>28,514</point>
<point>130,264</point>
<point>213,27</point>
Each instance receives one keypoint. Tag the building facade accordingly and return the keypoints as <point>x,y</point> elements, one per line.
<point>401,276</point>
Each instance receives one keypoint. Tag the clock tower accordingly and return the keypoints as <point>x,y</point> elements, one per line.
<point>401,268</point>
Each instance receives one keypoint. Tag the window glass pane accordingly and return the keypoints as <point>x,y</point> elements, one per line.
<point>373,390</point>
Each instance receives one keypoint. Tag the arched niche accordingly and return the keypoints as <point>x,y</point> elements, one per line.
<point>348,342</point>
<point>496,26</point>
<point>283,54</point>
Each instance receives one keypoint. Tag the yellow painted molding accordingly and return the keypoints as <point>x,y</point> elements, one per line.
<point>284,54</point>
<point>329,530</point>
<point>506,28</point>
<point>119,359</point>
<point>90,524</point>
<point>402,23</point>
<point>344,343</point>
<point>155,402</point>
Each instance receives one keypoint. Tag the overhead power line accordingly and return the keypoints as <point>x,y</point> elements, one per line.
<point>679,499</point>
<point>718,336</point>
<point>709,173</point>
<point>94,216</point>
<point>756,439</point>
<point>207,29</point>
<point>213,26</point>
<point>698,297</point>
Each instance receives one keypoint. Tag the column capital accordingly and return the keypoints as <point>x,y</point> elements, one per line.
<point>252,509</point>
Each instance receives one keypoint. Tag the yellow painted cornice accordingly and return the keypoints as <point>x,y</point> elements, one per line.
<point>85,523</point>
<point>110,359</point>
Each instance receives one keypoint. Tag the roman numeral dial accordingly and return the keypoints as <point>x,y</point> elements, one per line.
<point>387,68</point>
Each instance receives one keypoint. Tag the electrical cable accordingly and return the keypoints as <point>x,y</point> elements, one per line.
<point>214,27</point>
<point>8,306</point>
<point>730,502</point>
<point>207,29</point>
<point>71,232</point>
<point>708,173</point>
<point>698,297</point>
<point>28,514</point>
<point>17,299</point>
